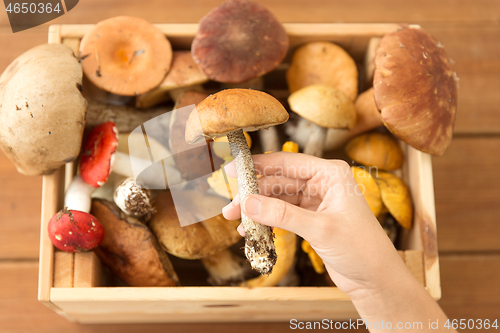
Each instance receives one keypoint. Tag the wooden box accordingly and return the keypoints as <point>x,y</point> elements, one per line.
<point>69,285</point>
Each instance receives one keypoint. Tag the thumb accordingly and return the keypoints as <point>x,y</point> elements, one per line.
<point>281,214</point>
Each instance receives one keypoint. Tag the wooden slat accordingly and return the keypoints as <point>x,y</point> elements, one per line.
<point>87,270</point>
<point>469,291</point>
<point>414,260</point>
<point>21,312</point>
<point>467,192</point>
<point>64,263</point>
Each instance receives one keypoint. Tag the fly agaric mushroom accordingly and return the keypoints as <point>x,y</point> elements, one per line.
<point>323,63</point>
<point>238,41</point>
<point>415,89</point>
<point>184,73</point>
<point>376,149</point>
<point>396,197</point>
<point>371,192</point>
<point>229,112</point>
<point>133,199</point>
<point>131,250</point>
<point>125,55</point>
<point>42,115</point>
<point>207,240</point>
<point>325,107</point>
<point>75,231</point>
<point>97,155</point>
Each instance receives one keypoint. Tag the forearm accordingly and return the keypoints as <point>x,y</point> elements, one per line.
<point>404,303</point>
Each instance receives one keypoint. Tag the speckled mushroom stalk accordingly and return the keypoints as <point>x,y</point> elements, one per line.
<point>259,245</point>
<point>316,142</point>
<point>133,199</point>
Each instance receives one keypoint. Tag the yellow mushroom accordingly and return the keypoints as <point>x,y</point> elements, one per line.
<point>369,187</point>
<point>317,262</point>
<point>396,197</point>
<point>376,149</point>
<point>286,243</point>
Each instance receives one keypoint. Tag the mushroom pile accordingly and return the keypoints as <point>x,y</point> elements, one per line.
<point>124,98</point>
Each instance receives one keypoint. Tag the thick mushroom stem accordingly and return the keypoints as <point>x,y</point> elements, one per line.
<point>225,268</point>
<point>259,245</point>
<point>316,141</point>
<point>269,139</point>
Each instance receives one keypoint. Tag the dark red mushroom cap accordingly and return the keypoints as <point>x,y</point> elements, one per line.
<point>97,154</point>
<point>239,40</point>
<point>75,231</point>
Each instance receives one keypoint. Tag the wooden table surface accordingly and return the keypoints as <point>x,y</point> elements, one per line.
<point>466,178</point>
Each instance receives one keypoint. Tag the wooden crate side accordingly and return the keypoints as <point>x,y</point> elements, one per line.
<point>198,304</point>
<point>414,260</point>
<point>63,269</point>
<point>87,270</point>
<point>52,196</point>
<point>423,235</point>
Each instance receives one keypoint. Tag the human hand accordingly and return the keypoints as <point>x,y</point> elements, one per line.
<point>319,200</point>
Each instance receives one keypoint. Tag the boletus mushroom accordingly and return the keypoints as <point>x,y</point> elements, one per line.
<point>42,114</point>
<point>415,89</point>
<point>230,112</point>
<point>130,249</point>
<point>238,41</point>
<point>209,240</point>
<point>125,55</point>
<point>324,107</point>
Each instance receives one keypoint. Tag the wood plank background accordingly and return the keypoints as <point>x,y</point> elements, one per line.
<point>467,185</point>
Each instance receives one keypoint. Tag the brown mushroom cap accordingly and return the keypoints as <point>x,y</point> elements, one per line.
<point>239,40</point>
<point>233,109</point>
<point>323,63</point>
<point>183,73</point>
<point>125,55</point>
<point>196,240</point>
<point>130,249</point>
<point>324,105</point>
<point>415,89</point>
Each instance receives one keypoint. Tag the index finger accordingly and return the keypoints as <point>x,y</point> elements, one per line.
<point>286,164</point>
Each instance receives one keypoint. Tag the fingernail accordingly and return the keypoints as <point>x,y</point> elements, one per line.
<point>226,208</point>
<point>241,230</point>
<point>252,206</point>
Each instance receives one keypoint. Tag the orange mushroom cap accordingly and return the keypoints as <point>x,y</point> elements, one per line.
<point>125,55</point>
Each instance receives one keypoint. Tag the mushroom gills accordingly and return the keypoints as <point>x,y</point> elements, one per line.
<point>259,245</point>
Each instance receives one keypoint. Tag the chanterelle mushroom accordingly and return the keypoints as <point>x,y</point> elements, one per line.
<point>415,89</point>
<point>230,112</point>
<point>239,40</point>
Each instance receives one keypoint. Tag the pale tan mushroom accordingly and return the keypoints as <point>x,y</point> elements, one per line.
<point>325,107</point>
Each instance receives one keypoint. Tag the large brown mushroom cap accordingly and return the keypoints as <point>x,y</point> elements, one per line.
<point>323,63</point>
<point>125,55</point>
<point>130,249</point>
<point>42,114</point>
<point>415,89</point>
<point>233,109</point>
<point>196,240</point>
<point>239,40</point>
